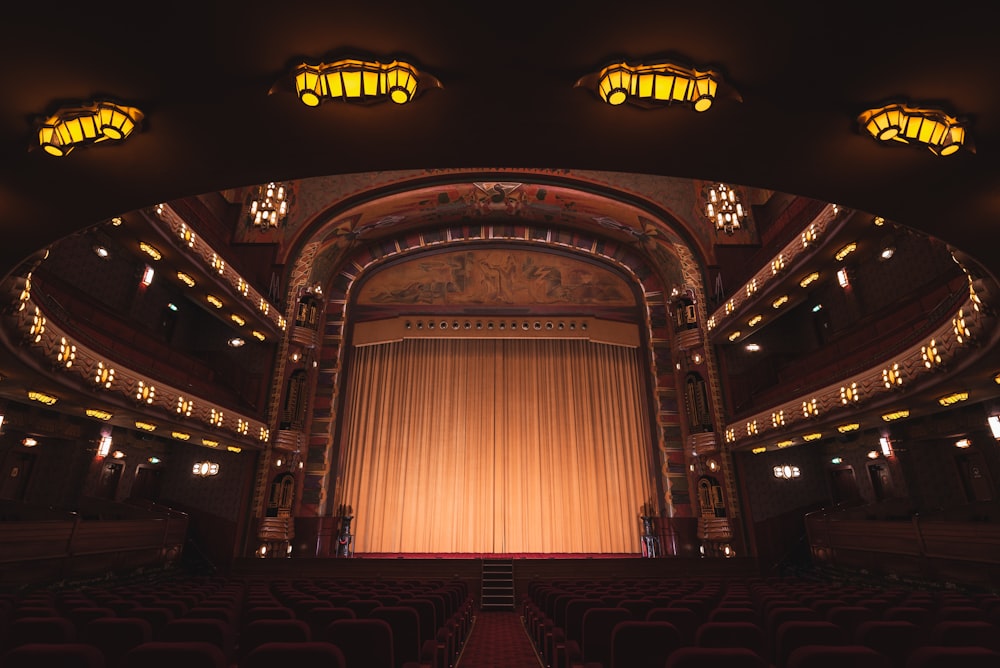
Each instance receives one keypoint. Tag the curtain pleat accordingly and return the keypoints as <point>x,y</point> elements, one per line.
<point>495,446</point>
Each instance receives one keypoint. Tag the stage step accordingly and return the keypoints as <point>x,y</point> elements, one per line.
<point>497,585</point>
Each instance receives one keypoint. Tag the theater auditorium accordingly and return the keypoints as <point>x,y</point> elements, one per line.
<point>535,336</point>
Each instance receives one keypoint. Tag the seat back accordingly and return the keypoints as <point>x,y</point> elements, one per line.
<point>837,656</point>
<point>310,654</point>
<point>642,644</point>
<point>115,636</point>
<point>714,657</point>
<point>61,655</point>
<point>598,625</point>
<point>364,642</point>
<point>171,654</point>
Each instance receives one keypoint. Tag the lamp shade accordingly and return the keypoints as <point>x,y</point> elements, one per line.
<point>658,84</point>
<point>932,128</point>
<point>89,124</point>
<point>359,81</point>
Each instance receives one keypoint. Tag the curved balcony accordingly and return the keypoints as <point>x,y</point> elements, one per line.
<point>688,339</point>
<point>703,443</point>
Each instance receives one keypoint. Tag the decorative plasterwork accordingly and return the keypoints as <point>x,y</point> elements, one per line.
<point>48,342</point>
<point>942,348</point>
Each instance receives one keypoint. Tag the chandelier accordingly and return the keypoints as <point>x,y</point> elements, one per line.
<point>724,208</point>
<point>267,205</point>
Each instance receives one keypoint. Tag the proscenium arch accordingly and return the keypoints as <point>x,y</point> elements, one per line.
<point>651,247</point>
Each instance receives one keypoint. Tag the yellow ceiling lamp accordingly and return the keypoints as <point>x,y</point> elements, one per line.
<point>918,126</point>
<point>658,84</point>
<point>84,125</point>
<point>360,81</point>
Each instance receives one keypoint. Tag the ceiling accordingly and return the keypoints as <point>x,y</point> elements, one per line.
<point>201,73</point>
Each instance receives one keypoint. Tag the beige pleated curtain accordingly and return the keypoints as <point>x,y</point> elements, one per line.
<point>495,446</point>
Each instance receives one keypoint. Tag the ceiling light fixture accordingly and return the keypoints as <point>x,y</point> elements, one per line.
<point>658,84</point>
<point>267,205</point>
<point>359,81</point>
<point>84,125</point>
<point>723,207</point>
<point>918,126</point>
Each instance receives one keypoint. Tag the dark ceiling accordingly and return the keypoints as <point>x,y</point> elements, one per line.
<point>201,73</point>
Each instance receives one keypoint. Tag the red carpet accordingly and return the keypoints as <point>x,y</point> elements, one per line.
<point>498,640</point>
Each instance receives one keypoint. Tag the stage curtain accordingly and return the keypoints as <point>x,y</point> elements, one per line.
<point>495,446</point>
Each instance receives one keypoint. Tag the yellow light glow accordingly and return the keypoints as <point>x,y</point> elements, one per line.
<point>258,335</point>
<point>754,321</point>
<point>809,279</point>
<point>145,426</point>
<point>180,435</point>
<point>239,320</point>
<point>233,448</point>
<point>99,414</point>
<point>214,301</point>
<point>352,80</point>
<point>844,428</point>
<point>85,125</point>
<point>185,279</point>
<point>953,399</point>
<point>919,126</point>
<point>896,415</point>
<point>150,250</point>
<point>657,84</point>
<point>780,301</point>
<point>812,437</point>
<point>735,335</point>
<point>845,251</point>
<point>42,398</point>
<point>785,444</point>
<point>209,442</point>
<point>759,450</point>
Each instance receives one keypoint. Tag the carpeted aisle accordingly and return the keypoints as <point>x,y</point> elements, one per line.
<point>498,640</point>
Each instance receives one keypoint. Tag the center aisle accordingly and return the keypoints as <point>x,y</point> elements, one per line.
<point>498,640</point>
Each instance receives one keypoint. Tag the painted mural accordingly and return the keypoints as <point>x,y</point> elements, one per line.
<point>496,276</point>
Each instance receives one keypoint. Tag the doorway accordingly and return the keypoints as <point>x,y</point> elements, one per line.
<point>976,481</point>
<point>147,483</point>
<point>107,483</point>
<point>16,475</point>
<point>844,485</point>
<point>881,484</point>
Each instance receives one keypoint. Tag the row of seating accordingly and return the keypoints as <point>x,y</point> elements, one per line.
<point>235,623</point>
<point>613,624</point>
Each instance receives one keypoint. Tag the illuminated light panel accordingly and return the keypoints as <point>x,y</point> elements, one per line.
<point>242,426</point>
<point>754,321</point>
<point>214,301</point>
<point>812,437</point>
<point>810,408</point>
<point>752,428</point>
<point>180,435</point>
<point>42,398</point>
<point>892,376</point>
<point>186,235</point>
<point>730,435</point>
<point>751,287</point>
<point>780,301</point>
<point>845,251</point>
<point>844,428</point>
<point>959,326</point>
<point>145,426</point>
<point>258,335</point>
<point>145,393</point>
<point>809,236</point>
<point>879,221</point>
<point>67,353</point>
<point>263,306</point>
<point>104,375</point>
<point>99,414</point>
<point>850,394</point>
<point>185,279</point>
<point>218,264</point>
<point>37,326</point>
<point>963,443</point>
<point>233,448</point>
<point>730,307</point>
<point>785,444</point>
<point>184,406</point>
<point>209,442</point>
<point>777,264</point>
<point>953,399</point>
<point>759,450</point>
<point>216,418</point>
<point>242,287</point>
<point>239,320</point>
<point>929,354</point>
<point>265,434</point>
<point>895,415</point>
<point>806,281</point>
<point>777,419</point>
<point>996,379</point>
<point>735,335</point>
<point>150,250</point>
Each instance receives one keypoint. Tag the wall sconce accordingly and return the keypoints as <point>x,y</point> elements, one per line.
<point>268,205</point>
<point>104,445</point>
<point>89,124</point>
<point>787,472</point>
<point>994,422</point>
<point>205,469</point>
<point>885,445</point>
<point>29,442</point>
<point>918,126</point>
<point>723,207</point>
<point>658,84</point>
<point>963,443</point>
<point>359,81</point>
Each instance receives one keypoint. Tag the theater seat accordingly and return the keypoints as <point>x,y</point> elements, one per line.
<point>934,656</point>
<point>159,654</point>
<point>714,657</point>
<point>61,655</point>
<point>311,654</point>
<point>837,656</point>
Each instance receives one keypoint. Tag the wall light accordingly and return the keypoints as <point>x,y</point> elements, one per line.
<point>205,469</point>
<point>84,125</point>
<point>786,472</point>
<point>885,445</point>
<point>657,84</point>
<point>359,81</point>
<point>963,443</point>
<point>917,126</point>
<point>994,422</point>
